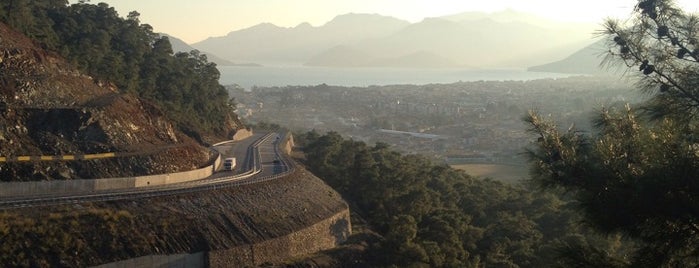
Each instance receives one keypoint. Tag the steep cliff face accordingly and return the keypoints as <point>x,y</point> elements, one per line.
<point>50,108</point>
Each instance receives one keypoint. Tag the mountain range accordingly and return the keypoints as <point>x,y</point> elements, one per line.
<point>180,46</point>
<point>504,39</point>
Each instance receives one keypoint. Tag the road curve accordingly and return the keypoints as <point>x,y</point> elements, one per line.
<point>258,160</point>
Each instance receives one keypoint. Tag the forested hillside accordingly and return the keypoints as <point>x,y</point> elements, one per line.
<point>431,215</point>
<point>127,53</point>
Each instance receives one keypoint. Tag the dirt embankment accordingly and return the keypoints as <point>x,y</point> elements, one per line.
<point>47,107</point>
<point>90,234</point>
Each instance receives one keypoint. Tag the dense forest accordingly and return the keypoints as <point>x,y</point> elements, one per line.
<point>431,215</point>
<point>122,51</point>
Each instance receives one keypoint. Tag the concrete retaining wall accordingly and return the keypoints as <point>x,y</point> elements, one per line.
<point>326,234</point>
<point>242,134</point>
<point>195,260</point>
<point>9,189</point>
<point>288,143</point>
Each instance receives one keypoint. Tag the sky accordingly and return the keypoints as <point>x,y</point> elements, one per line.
<point>193,21</point>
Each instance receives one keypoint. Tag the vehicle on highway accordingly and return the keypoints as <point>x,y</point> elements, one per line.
<point>229,163</point>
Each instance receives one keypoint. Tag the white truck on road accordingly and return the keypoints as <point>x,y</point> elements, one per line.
<point>229,163</point>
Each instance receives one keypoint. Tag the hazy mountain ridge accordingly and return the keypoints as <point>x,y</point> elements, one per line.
<point>584,61</point>
<point>180,46</point>
<point>503,39</point>
<point>268,42</point>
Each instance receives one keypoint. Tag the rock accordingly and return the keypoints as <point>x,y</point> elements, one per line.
<point>51,116</point>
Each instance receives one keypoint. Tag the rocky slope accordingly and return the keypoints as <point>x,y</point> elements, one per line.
<point>49,108</point>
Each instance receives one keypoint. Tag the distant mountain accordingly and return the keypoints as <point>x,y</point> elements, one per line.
<point>180,46</point>
<point>505,39</point>
<point>484,42</point>
<point>268,42</point>
<point>509,15</point>
<point>584,61</point>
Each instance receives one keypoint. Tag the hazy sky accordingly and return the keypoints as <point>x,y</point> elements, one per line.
<point>193,21</point>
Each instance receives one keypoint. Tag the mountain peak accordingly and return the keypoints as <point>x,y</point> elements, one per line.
<point>304,25</point>
<point>265,25</point>
<point>353,19</point>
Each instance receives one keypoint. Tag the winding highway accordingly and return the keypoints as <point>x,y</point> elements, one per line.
<point>258,159</point>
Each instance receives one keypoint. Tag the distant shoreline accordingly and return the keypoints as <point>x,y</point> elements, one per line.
<point>298,75</point>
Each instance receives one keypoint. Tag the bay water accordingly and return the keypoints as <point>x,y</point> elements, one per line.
<point>270,76</point>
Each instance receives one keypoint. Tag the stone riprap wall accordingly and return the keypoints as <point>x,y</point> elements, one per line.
<point>195,260</point>
<point>10,189</point>
<point>326,234</point>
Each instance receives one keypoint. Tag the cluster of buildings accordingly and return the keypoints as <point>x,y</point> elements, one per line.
<point>461,122</point>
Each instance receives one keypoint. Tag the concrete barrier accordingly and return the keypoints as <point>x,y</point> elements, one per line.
<point>113,183</point>
<point>217,163</point>
<point>13,189</point>
<point>288,143</point>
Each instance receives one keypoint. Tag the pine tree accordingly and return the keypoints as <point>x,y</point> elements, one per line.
<point>637,172</point>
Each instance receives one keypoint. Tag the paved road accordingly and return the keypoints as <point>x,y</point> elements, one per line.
<point>271,161</point>
<point>239,150</point>
<point>257,158</point>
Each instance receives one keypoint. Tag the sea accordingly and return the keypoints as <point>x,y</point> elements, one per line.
<point>290,75</point>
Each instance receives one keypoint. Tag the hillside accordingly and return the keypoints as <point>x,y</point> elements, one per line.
<point>584,61</point>
<point>180,46</point>
<point>80,113</point>
<point>216,222</point>
<point>50,108</point>
<point>127,54</point>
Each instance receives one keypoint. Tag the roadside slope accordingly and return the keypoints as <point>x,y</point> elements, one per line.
<point>214,221</point>
<point>50,108</point>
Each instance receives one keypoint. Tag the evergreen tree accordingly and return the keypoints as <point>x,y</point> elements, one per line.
<point>128,54</point>
<point>637,173</point>
<point>434,216</point>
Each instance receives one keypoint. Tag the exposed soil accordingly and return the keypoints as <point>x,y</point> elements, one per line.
<point>47,107</point>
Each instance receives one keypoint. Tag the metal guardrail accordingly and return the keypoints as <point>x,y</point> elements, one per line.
<point>81,157</point>
<point>27,158</point>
